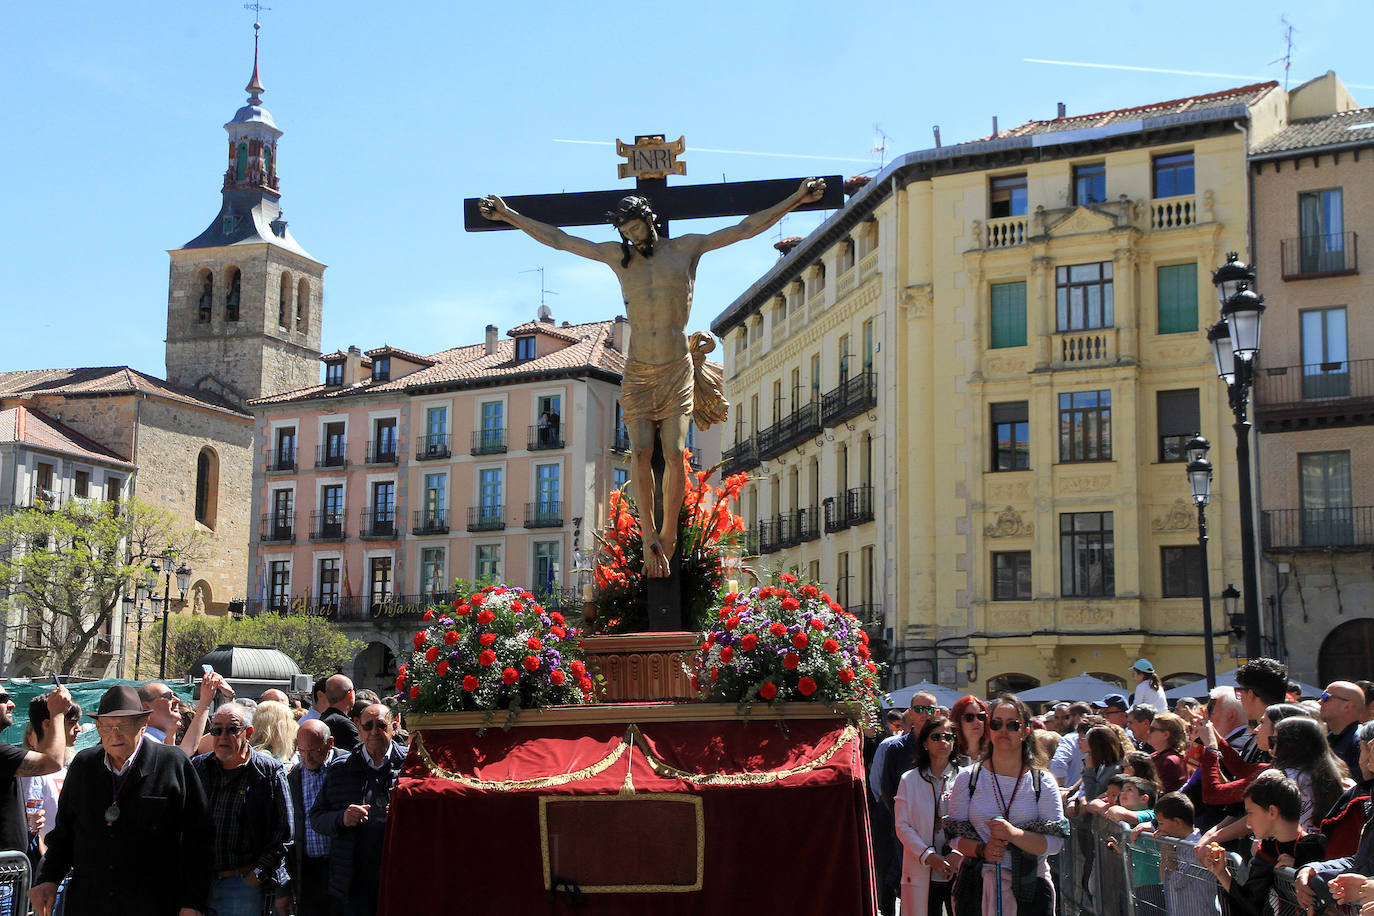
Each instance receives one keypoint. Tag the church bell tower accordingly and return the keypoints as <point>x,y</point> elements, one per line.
<point>244,298</point>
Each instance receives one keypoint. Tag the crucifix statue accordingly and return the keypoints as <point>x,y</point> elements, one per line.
<point>668,382</point>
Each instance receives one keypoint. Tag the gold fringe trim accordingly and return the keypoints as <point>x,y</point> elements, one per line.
<point>633,737</point>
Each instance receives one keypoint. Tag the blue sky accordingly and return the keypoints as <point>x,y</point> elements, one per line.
<point>114,147</point>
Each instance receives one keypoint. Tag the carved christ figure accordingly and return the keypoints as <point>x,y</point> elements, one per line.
<point>667,381</point>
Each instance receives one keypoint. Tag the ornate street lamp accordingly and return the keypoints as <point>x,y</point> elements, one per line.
<point>183,577</point>
<point>1200,481</point>
<point>1230,599</point>
<point>1236,347</point>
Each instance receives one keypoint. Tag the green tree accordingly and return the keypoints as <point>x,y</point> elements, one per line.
<point>317,646</point>
<point>66,570</point>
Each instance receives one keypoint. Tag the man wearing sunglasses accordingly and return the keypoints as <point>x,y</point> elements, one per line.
<point>250,812</point>
<point>351,811</point>
<point>1342,711</point>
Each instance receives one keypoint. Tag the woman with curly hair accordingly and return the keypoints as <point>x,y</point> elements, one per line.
<point>1169,740</point>
<point>1007,819</point>
<point>274,732</point>
<point>970,716</point>
<point>928,863</point>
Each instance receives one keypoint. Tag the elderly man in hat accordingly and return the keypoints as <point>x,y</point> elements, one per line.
<point>125,801</point>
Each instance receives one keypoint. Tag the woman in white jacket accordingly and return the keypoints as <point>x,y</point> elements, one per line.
<point>1148,689</point>
<point>928,864</point>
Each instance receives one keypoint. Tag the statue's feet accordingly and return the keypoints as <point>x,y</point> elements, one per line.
<point>656,562</point>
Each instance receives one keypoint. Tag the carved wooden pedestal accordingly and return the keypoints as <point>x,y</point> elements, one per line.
<point>641,667</point>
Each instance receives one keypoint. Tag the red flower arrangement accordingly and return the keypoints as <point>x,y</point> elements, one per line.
<point>510,654</point>
<point>706,526</point>
<point>787,642</point>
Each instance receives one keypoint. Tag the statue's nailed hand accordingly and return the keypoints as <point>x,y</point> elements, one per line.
<point>812,189</point>
<point>493,208</point>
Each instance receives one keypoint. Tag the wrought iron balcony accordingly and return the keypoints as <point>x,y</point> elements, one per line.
<point>382,451</point>
<point>740,457</point>
<point>1318,529</point>
<point>1339,393</point>
<point>621,443</point>
<point>486,518</point>
<point>332,455</point>
<point>849,399</point>
<point>798,428</point>
<point>789,530</point>
<point>431,447</point>
<point>548,514</point>
<point>545,438</point>
<point>489,441</point>
<point>768,536</point>
<point>858,505</point>
<point>809,524</point>
<point>281,460</point>
<point>326,525</point>
<point>378,524</point>
<point>1311,256</point>
<point>279,528</point>
<point>835,517</point>
<point>430,521</point>
<point>869,614</point>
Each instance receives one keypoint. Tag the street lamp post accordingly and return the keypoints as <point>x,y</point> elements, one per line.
<point>1200,480</point>
<point>1235,343</point>
<point>183,574</point>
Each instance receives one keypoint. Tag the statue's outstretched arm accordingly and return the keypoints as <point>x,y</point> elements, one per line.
<point>811,189</point>
<point>494,208</point>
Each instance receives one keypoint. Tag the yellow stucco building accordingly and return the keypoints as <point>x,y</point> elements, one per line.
<point>1027,314</point>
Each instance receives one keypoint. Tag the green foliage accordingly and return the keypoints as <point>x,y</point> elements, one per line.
<point>67,569</point>
<point>316,645</point>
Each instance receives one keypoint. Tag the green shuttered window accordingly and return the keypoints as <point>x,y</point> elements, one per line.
<point>1177,298</point>
<point>1008,315</point>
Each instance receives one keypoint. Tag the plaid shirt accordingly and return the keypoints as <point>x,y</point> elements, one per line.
<point>229,794</point>
<point>316,844</point>
<point>228,798</point>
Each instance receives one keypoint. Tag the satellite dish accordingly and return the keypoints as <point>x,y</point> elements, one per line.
<point>545,313</point>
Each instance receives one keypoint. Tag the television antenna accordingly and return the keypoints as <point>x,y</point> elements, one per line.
<point>542,291</point>
<point>1287,57</point>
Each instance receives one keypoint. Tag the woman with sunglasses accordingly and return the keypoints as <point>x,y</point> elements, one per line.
<point>970,716</point>
<point>928,863</point>
<point>1007,818</point>
<point>1168,738</point>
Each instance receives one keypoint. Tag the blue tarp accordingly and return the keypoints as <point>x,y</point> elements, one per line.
<point>86,693</point>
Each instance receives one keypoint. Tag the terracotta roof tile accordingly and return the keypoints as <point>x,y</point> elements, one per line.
<point>388,350</point>
<point>1238,95</point>
<point>25,426</point>
<point>543,327</point>
<point>1340,129</point>
<point>104,380</point>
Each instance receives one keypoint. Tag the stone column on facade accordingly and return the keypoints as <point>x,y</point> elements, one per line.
<point>1040,321</point>
<point>1126,300</point>
<point>1049,662</point>
<point>976,297</point>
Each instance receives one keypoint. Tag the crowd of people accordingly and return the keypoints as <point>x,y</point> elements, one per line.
<point>970,805</point>
<point>236,807</point>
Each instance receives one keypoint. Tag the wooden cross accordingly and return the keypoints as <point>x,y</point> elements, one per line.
<point>650,160</point>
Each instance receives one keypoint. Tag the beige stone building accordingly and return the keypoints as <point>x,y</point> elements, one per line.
<point>1038,302</point>
<point>1313,206</point>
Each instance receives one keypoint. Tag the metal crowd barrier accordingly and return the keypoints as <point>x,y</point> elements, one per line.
<point>14,883</point>
<point>1284,898</point>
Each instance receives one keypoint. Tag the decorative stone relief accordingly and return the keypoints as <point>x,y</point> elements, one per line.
<point>1085,484</point>
<point>1179,517</point>
<point>1085,615</point>
<point>1009,525</point>
<point>1005,492</point>
<point>918,300</point>
<point>1004,365</point>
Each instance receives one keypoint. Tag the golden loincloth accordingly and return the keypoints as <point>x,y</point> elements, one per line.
<point>689,386</point>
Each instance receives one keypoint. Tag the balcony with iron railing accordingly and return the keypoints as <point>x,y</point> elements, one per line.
<point>849,399</point>
<point>620,444</point>
<point>796,429</point>
<point>809,524</point>
<point>281,460</point>
<point>749,542</point>
<point>836,519</point>
<point>326,525</point>
<point>49,498</point>
<point>381,451</point>
<point>740,457</point>
<point>378,524</point>
<point>489,441</point>
<point>547,514</point>
<point>1350,527</point>
<point>769,541</point>
<point>430,521</point>
<point>432,447</point>
<point>332,454</point>
<point>545,437</point>
<point>277,528</point>
<point>1310,257</point>
<point>858,503</point>
<point>789,531</point>
<point>486,518</point>
<point>1337,393</point>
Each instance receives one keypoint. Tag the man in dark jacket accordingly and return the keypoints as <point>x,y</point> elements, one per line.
<point>250,809</point>
<point>309,855</point>
<point>338,691</point>
<point>122,802</point>
<point>351,811</point>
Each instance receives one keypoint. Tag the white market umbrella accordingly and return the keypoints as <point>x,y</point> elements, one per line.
<point>1198,688</point>
<point>944,696</point>
<point>1085,687</point>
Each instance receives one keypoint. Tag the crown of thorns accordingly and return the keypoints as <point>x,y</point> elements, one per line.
<point>632,207</point>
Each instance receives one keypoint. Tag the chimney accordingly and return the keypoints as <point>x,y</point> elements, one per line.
<point>620,333</point>
<point>1062,110</point>
<point>936,128</point>
<point>994,125</point>
<point>491,340</point>
<point>353,366</point>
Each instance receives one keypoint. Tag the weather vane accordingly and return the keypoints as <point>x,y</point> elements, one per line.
<point>257,8</point>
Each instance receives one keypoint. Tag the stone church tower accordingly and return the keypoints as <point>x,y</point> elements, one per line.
<point>244,299</point>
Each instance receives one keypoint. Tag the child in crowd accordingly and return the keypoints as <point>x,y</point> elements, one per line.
<point>1188,888</point>
<point>1141,765</point>
<point>1273,807</point>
